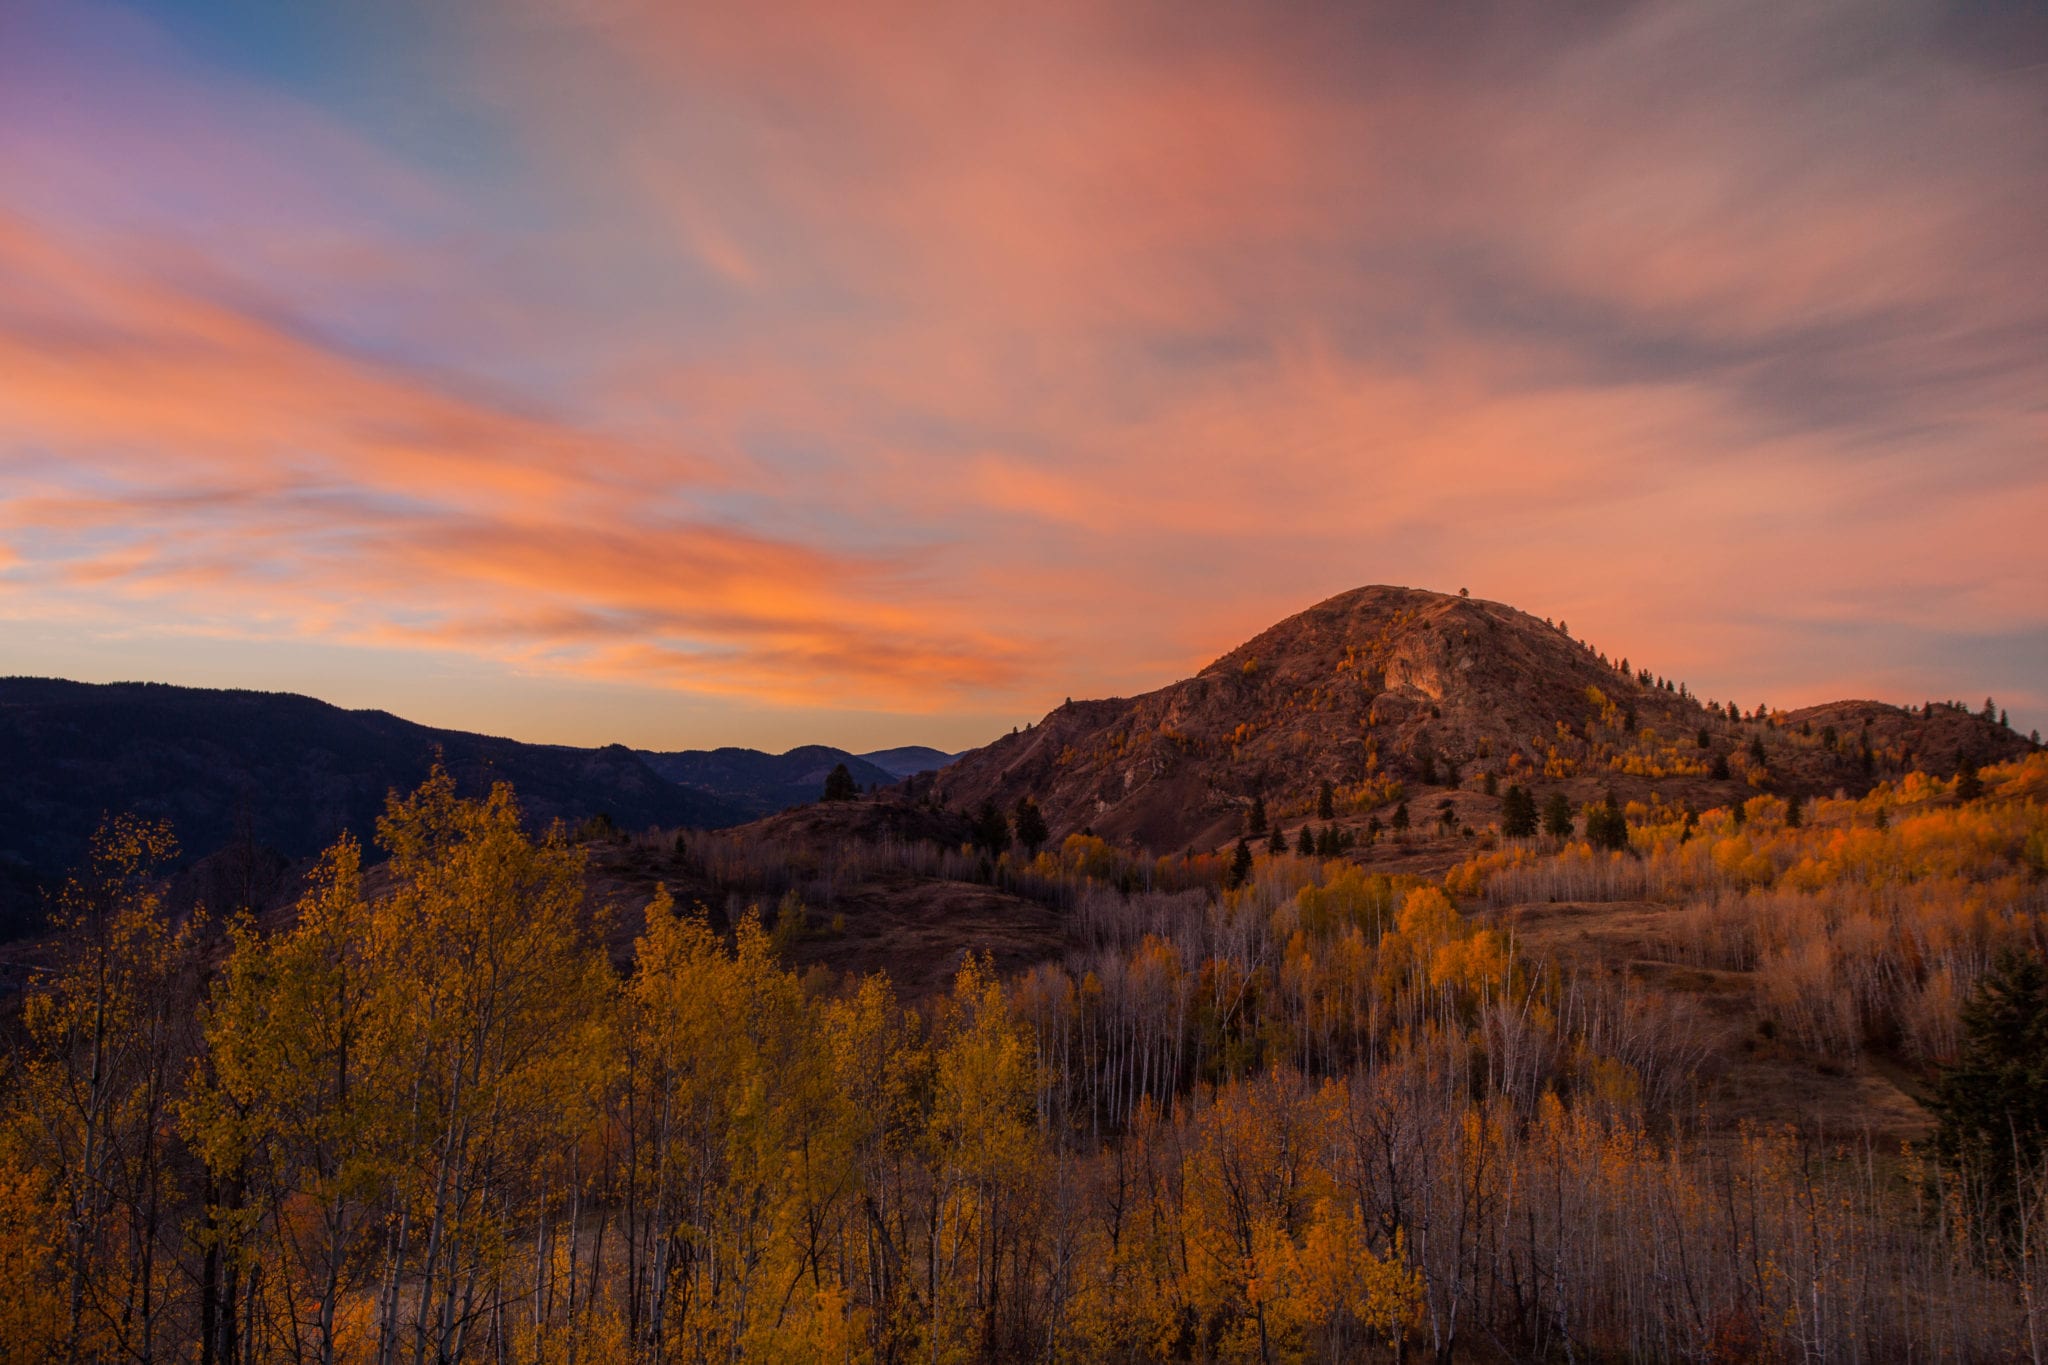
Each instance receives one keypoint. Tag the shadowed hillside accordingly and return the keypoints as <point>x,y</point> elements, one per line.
<point>255,782</point>
<point>281,772</point>
<point>1388,693</point>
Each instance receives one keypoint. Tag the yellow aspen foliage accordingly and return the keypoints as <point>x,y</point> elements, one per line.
<point>93,1092</point>
<point>31,1306</point>
<point>297,1108</point>
<point>1428,918</point>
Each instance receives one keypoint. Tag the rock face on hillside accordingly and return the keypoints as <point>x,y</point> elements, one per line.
<point>1383,686</point>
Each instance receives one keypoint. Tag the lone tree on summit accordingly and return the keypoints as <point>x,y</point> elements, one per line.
<point>839,784</point>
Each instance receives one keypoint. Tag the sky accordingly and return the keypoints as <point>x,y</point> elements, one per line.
<point>684,375</point>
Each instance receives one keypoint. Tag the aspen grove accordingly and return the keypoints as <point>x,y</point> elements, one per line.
<point>1325,1114</point>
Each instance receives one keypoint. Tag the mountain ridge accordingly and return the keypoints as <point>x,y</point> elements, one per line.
<point>286,774</point>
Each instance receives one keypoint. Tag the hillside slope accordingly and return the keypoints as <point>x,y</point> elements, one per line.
<point>1388,692</point>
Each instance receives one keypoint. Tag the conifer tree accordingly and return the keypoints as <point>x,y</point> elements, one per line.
<point>1606,826</point>
<point>1255,822</point>
<point>1557,816</point>
<point>1518,813</point>
<point>991,830</point>
<point>1401,818</point>
<point>1326,801</point>
<point>1992,1104</point>
<point>1240,866</point>
<point>839,784</point>
<point>1031,827</point>
<point>1305,842</point>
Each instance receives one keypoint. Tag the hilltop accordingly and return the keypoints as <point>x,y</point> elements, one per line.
<point>1389,693</point>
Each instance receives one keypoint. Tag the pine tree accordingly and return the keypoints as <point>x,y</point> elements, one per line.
<point>1969,786</point>
<point>1518,813</point>
<point>839,784</point>
<point>1992,1104</point>
<point>1240,866</point>
<point>1326,801</point>
<point>1031,827</point>
<point>1401,818</point>
<point>1606,826</point>
<point>1255,822</point>
<point>1794,815</point>
<point>1305,842</point>
<point>1557,816</point>
<point>991,830</point>
<point>1277,844</point>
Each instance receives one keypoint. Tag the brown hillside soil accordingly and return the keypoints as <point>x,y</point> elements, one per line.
<point>1750,1077</point>
<point>1387,685</point>
<point>916,928</point>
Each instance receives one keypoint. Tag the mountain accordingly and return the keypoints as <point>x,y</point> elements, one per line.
<point>908,761</point>
<point>759,783</point>
<point>1394,693</point>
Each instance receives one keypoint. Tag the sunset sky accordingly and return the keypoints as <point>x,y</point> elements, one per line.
<point>682,375</point>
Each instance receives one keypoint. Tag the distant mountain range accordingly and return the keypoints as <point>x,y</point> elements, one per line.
<point>289,774</point>
<point>760,784</point>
